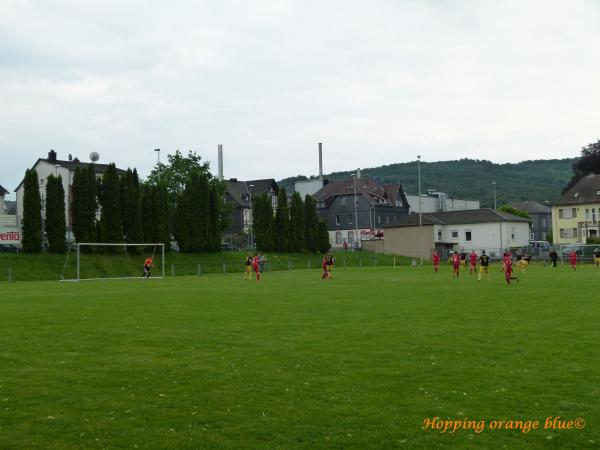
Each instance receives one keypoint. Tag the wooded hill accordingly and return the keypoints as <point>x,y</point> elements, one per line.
<point>471,179</point>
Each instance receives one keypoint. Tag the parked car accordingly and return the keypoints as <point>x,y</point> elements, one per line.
<point>540,244</point>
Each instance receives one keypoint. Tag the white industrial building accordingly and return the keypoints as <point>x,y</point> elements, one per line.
<point>435,201</point>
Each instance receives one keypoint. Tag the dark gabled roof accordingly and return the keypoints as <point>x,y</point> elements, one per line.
<point>3,191</point>
<point>99,169</point>
<point>530,207</point>
<point>485,215</point>
<point>263,186</point>
<point>369,189</point>
<point>240,190</point>
<point>586,190</point>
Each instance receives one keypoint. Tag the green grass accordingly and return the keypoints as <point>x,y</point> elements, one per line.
<point>296,362</point>
<point>46,266</point>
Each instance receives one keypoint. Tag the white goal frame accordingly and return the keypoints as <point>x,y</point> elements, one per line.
<point>106,244</point>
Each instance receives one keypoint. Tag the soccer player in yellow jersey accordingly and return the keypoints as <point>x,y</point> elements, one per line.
<point>484,262</point>
<point>330,262</point>
<point>248,264</point>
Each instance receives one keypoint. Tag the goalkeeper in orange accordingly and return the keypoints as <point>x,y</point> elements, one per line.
<point>147,267</point>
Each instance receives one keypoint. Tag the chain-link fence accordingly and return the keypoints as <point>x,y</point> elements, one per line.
<point>210,267</point>
<point>6,273</point>
<point>586,254</point>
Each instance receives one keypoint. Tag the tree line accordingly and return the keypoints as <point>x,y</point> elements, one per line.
<point>289,229</point>
<point>180,199</point>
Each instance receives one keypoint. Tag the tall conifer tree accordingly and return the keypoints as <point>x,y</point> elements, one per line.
<point>32,216</point>
<point>55,214</point>
<point>297,229</point>
<point>110,220</point>
<point>311,225</point>
<point>282,223</point>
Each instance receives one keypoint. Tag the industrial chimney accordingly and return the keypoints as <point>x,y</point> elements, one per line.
<point>320,160</point>
<point>220,162</point>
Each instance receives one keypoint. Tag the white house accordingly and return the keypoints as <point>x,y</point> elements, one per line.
<point>53,166</point>
<point>479,229</point>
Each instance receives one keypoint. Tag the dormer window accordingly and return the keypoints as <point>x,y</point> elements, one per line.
<point>597,192</point>
<point>576,194</point>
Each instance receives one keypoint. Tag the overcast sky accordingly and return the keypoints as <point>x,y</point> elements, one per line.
<point>377,82</point>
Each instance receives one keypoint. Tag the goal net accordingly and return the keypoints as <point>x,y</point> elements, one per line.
<point>103,261</point>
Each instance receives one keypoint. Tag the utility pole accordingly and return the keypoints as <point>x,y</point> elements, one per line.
<point>355,214</point>
<point>420,216</point>
<point>250,186</point>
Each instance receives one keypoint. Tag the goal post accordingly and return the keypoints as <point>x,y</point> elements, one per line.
<point>104,261</point>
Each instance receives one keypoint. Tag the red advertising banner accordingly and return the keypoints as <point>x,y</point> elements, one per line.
<point>10,236</point>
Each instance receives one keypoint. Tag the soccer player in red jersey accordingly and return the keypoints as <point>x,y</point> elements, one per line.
<point>507,261</point>
<point>436,261</point>
<point>573,260</point>
<point>256,266</point>
<point>455,265</point>
<point>473,261</point>
<point>325,273</point>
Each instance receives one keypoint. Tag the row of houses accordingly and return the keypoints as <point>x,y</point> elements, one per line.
<point>359,211</point>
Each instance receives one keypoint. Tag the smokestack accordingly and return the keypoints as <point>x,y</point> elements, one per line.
<point>220,176</point>
<point>358,173</point>
<point>320,160</point>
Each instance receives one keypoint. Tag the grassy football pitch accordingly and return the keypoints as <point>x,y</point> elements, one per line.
<point>295,362</point>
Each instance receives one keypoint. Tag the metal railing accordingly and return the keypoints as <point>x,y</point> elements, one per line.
<point>585,253</point>
<point>6,273</point>
<point>281,264</point>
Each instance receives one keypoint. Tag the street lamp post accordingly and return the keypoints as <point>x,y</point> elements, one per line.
<point>157,150</point>
<point>250,186</point>
<point>420,217</point>
<point>547,202</point>
<point>355,214</point>
<point>494,184</point>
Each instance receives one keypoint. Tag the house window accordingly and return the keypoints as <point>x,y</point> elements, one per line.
<point>560,214</point>
<point>468,236</point>
<point>378,219</point>
<point>337,220</point>
<point>574,213</point>
<point>439,235</point>
<point>338,237</point>
<point>454,234</point>
<point>532,236</point>
<point>593,215</point>
<point>320,204</point>
<point>575,232</point>
<point>387,219</point>
<point>399,202</point>
<point>543,223</point>
<point>349,217</point>
<point>587,214</point>
<point>350,236</point>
